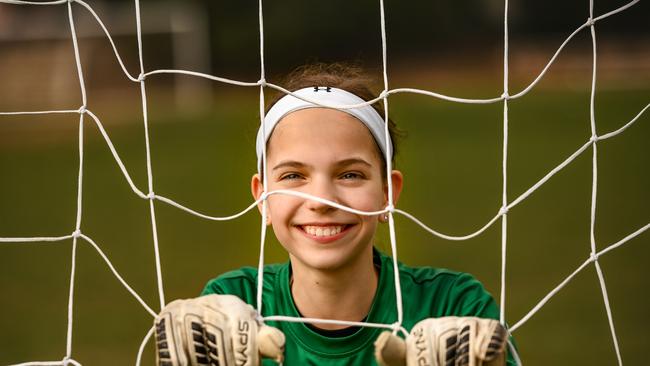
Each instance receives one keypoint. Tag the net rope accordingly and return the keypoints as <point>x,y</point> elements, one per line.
<point>390,209</point>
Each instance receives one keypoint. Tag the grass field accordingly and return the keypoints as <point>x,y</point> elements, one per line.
<point>451,157</point>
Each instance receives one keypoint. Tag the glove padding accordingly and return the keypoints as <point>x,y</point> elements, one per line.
<point>214,330</point>
<point>446,341</point>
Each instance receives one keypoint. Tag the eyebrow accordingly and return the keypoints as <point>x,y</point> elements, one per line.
<point>290,164</point>
<point>340,163</point>
<point>351,161</point>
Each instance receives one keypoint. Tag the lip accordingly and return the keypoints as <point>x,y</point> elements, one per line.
<point>324,239</point>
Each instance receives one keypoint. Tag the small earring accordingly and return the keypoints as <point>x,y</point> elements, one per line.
<point>385,218</point>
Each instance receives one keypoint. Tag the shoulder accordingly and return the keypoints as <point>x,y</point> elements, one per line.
<point>441,281</point>
<point>427,277</point>
<point>241,282</point>
<point>446,292</point>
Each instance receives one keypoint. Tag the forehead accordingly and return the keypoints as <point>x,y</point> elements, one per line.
<point>321,132</point>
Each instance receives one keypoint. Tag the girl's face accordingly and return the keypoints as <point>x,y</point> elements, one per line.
<point>329,154</point>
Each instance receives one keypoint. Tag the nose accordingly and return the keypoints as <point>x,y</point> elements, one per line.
<point>322,188</point>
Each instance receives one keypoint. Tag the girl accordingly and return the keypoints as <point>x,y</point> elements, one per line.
<point>334,271</point>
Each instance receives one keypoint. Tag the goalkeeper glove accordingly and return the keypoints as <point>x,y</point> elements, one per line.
<point>446,341</point>
<point>214,330</point>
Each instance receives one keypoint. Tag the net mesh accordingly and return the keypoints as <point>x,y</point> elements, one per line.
<point>592,257</point>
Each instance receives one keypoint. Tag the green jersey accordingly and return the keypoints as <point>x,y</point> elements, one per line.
<point>426,292</point>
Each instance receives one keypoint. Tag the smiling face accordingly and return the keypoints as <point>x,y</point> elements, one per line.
<point>329,154</point>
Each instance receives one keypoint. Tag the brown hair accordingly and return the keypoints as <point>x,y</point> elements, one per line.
<point>349,77</point>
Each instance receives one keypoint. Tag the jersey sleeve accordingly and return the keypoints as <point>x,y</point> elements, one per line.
<point>240,283</point>
<point>213,287</point>
<point>469,298</point>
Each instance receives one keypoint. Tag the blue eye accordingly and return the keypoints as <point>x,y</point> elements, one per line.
<point>351,175</point>
<point>290,176</point>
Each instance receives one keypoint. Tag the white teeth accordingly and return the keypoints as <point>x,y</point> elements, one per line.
<point>321,231</point>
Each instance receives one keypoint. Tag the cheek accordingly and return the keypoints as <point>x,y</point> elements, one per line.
<point>280,207</point>
<point>366,199</point>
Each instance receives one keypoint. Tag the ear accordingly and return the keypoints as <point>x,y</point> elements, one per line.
<point>397,179</point>
<point>257,188</point>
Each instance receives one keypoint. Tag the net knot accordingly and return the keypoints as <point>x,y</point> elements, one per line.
<point>390,208</point>
<point>396,327</point>
<point>505,96</point>
<point>593,257</point>
<point>264,196</point>
<point>76,234</point>
<point>503,210</point>
<point>262,82</point>
<point>151,196</point>
<point>82,109</point>
<point>66,360</point>
<point>590,22</point>
<point>141,77</point>
<point>383,94</point>
<point>593,138</point>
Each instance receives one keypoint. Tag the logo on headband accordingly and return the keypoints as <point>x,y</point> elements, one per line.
<point>326,88</point>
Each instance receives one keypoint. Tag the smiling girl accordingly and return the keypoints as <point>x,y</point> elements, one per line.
<point>334,270</point>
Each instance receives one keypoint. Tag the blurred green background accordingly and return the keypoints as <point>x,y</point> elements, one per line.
<point>202,136</point>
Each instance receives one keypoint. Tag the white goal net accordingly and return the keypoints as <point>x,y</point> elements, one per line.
<point>88,118</point>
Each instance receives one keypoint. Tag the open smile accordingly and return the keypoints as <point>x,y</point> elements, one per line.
<point>324,233</point>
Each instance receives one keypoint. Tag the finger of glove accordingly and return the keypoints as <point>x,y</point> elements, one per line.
<point>201,330</point>
<point>433,342</point>
<point>187,344</point>
<point>220,338</point>
<point>236,321</point>
<point>390,350</point>
<point>481,342</point>
<point>170,340</point>
<point>234,306</point>
<point>271,342</point>
<point>498,360</point>
<point>199,349</point>
<point>491,339</point>
<point>168,345</point>
<point>465,355</point>
<point>243,342</point>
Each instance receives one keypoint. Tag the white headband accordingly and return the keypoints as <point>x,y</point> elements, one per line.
<point>327,96</point>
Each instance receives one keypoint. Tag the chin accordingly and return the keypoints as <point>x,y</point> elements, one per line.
<point>324,260</point>
<point>318,261</point>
